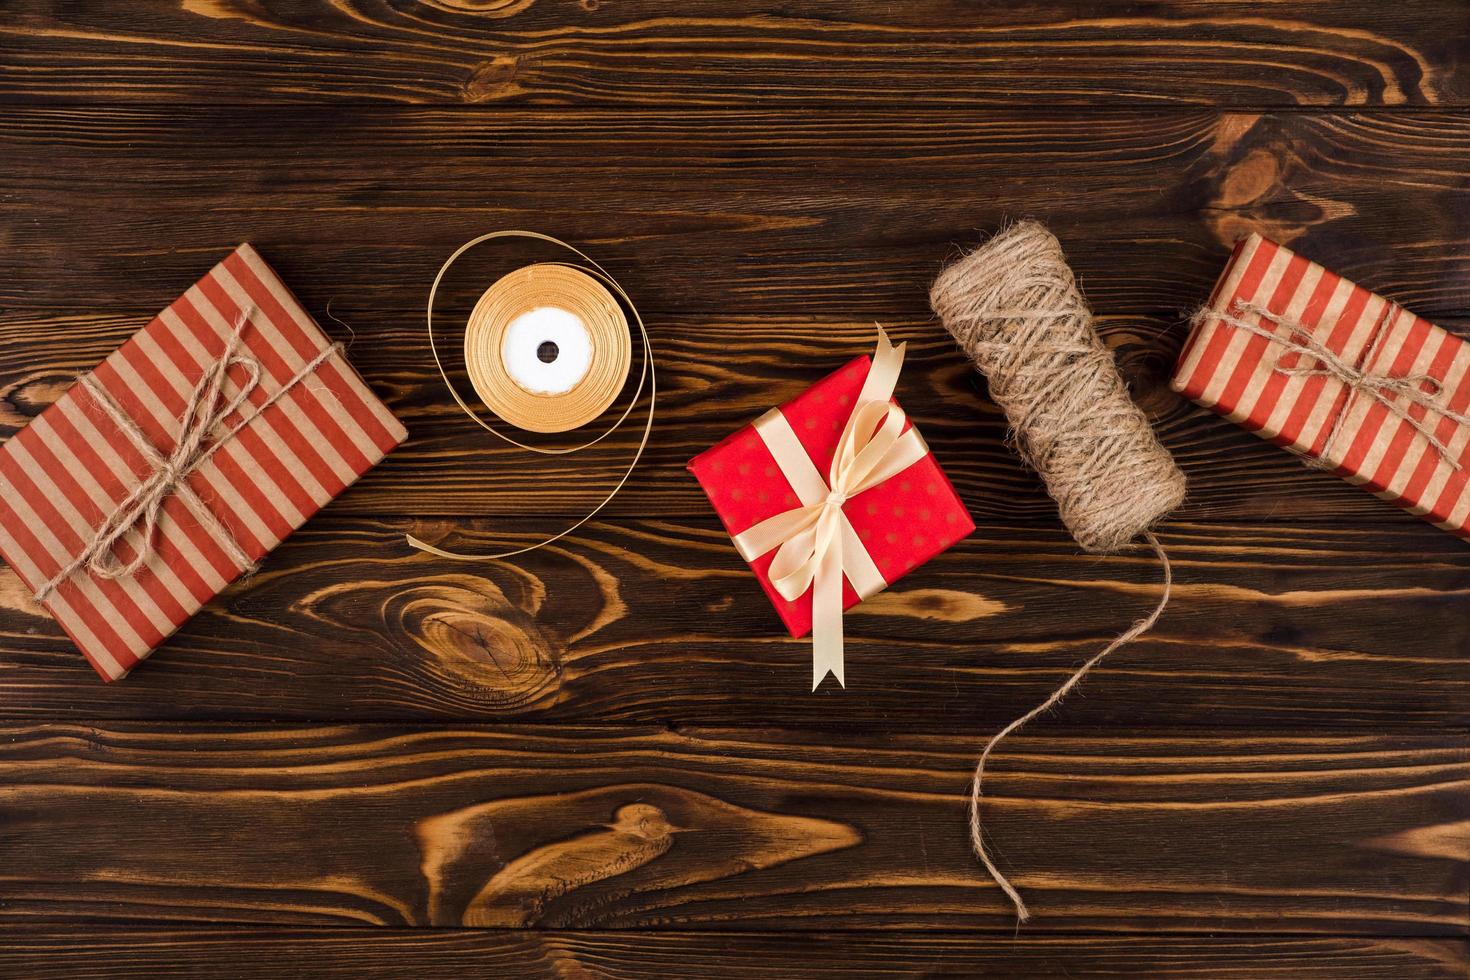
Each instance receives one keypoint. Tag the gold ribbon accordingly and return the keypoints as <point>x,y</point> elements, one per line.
<point>140,511</point>
<point>563,287</point>
<point>1423,390</point>
<point>645,374</point>
<point>815,543</point>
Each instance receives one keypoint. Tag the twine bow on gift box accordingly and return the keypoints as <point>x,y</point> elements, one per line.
<point>816,545</point>
<point>137,516</point>
<point>1397,394</point>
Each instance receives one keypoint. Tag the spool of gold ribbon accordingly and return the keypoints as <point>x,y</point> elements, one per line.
<point>581,301</point>
<point>547,348</point>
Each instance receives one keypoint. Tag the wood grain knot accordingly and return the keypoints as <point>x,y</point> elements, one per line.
<point>27,397</point>
<point>493,79</point>
<point>557,859</point>
<point>478,642</point>
<point>944,605</point>
<point>1146,366</point>
<point>494,9</point>
<point>1255,167</point>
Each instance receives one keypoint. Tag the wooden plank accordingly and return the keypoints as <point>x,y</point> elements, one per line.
<point>658,621</point>
<point>845,216</point>
<point>450,467</point>
<point>661,52</point>
<point>724,829</point>
<point>117,952</point>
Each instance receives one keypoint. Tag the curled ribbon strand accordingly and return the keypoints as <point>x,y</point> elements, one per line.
<point>136,518</point>
<point>1395,393</point>
<point>815,544</point>
<point>645,373</point>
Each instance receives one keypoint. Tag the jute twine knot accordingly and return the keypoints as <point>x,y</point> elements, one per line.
<point>1014,307</point>
<point>1314,359</point>
<point>136,518</point>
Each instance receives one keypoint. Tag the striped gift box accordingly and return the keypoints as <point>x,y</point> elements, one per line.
<point>62,476</point>
<point>1375,420</point>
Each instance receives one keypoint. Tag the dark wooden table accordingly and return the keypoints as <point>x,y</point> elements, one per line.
<point>602,759</point>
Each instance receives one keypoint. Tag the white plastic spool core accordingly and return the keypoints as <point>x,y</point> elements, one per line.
<point>546,350</point>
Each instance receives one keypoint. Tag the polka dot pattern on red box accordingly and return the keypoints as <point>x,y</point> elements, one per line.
<point>903,522</point>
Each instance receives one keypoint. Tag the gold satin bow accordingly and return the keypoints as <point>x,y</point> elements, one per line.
<point>815,543</point>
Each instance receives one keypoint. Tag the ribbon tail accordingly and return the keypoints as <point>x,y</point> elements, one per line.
<point>883,375</point>
<point>827,617</point>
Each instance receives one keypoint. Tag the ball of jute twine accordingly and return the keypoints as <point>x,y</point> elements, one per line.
<point>1015,309</point>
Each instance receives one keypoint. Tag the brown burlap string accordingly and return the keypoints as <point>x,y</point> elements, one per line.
<point>1014,307</point>
<point>1396,394</point>
<point>136,517</point>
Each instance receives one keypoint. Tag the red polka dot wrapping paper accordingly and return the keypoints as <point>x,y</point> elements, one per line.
<point>1353,434</point>
<point>903,522</point>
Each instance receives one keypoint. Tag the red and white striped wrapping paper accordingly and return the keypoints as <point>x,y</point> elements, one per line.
<point>1234,373</point>
<point>64,473</point>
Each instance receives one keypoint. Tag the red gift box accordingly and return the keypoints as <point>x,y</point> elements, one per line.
<point>1337,374</point>
<point>232,413</point>
<point>900,522</point>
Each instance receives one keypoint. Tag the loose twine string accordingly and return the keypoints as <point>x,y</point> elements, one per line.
<point>1394,393</point>
<point>1014,307</point>
<point>645,374</point>
<point>136,517</point>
